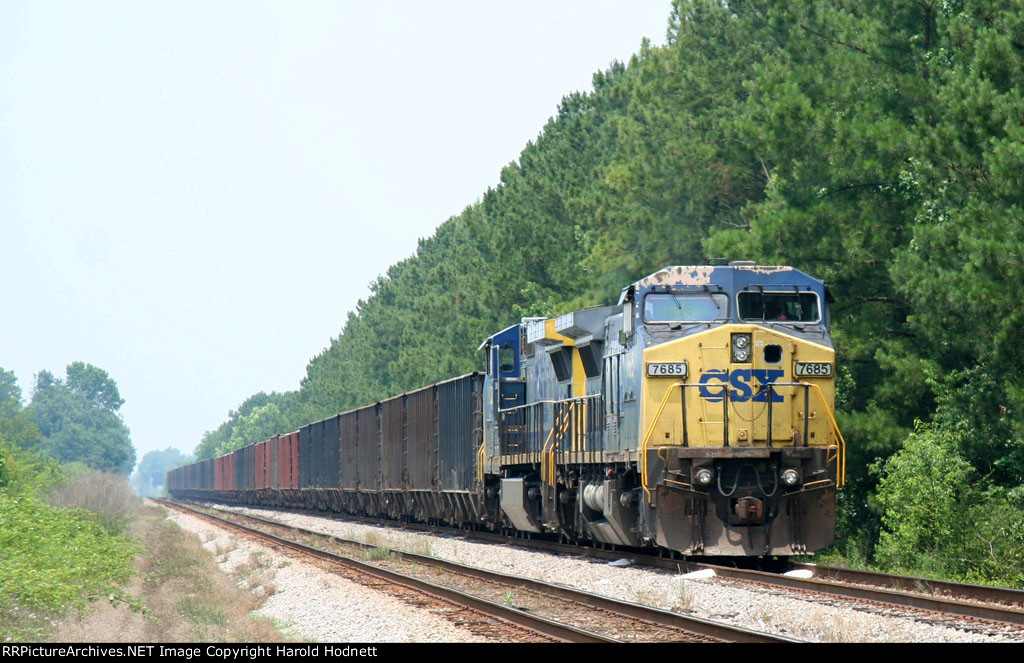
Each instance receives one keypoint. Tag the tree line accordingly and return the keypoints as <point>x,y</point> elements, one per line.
<point>75,419</point>
<point>877,145</point>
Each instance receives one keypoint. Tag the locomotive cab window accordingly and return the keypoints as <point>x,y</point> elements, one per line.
<point>685,307</point>
<point>506,359</point>
<point>779,306</point>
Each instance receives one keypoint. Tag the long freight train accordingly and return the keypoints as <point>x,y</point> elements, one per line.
<point>696,414</point>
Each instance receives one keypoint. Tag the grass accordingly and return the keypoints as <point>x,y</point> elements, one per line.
<point>256,574</point>
<point>184,594</point>
<point>380,553</point>
<point>415,546</point>
<point>222,549</point>
<point>197,610</point>
<point>684,598</point>
<point>420,547</point>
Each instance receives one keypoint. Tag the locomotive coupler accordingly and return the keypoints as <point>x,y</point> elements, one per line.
<point>749,509</point>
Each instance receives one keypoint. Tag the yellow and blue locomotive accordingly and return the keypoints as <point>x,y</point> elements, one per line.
<point>696,414</point>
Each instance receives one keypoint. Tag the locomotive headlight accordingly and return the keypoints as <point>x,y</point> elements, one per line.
<point>790,477</point>
<point>704,476</point>
<point>740,348</point>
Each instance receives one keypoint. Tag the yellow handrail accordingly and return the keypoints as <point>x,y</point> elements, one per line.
<point>841,455</point>
<point>480,463</point>
<point>548,453</point>
<point>650,430</point>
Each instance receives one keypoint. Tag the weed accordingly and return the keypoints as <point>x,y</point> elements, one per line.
<point>223,548</point>
<point>198,602</point>
<point>259,561</point>
<point>684,598</point>
<point>52,560</point>
<point>379,554</point>
<point>197,610</point>
<point>420,547</point>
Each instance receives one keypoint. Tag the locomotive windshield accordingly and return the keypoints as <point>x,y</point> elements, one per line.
<point>779,306</point>
<point>685,307</point>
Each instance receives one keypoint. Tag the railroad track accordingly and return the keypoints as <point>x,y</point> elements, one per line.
<point>1013,599</point>
<point>941,599</point>
<point>552,611</point>
<point>946,600</point>
<point>936,598</point>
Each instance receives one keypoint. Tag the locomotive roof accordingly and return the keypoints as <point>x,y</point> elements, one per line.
<point>509,333</point>
<point>733,277</point>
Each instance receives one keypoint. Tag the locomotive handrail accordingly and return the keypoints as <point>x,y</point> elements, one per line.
<point>647,437</point>
<point>548,453</point>
<point>480,455</point>
<point>561,424</point>
<point>830,418</point>
<point>507,410</point>
<point>841,455</point>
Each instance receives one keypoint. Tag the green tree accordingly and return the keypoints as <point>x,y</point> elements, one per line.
<point>213,441</point>
<point>151,474</point>
<point>876,145</point>
<point>9,388</point>
<point>261,424</point>
<point>16,425</point>
<point>79,421</point>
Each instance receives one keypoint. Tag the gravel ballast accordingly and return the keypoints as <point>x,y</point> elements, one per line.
<point>312,604</point>
<point>318,605</point>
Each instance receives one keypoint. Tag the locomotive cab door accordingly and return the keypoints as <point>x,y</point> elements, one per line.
<point>504,368</point>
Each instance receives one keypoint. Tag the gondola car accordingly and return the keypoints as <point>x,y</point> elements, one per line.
<point>696,414</point>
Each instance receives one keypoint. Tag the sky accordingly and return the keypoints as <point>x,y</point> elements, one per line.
<point>194,195</point>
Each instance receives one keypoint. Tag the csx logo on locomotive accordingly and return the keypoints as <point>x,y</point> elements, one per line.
<point>744,382</point>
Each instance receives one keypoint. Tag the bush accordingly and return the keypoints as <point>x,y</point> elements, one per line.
<point>993,549</point>
<point>107,497</point>
<point>54,559</point>
<point>941,520</point>
<point>922,493</point>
